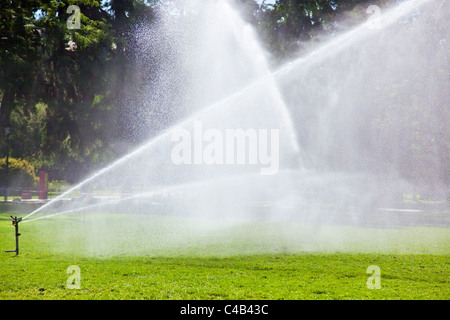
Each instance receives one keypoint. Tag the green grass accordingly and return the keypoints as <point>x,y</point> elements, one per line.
<point>156,258</point>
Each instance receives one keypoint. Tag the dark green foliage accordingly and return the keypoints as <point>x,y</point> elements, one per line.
<point>60,100</point>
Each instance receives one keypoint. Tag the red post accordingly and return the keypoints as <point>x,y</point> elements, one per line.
<point>43,184</point>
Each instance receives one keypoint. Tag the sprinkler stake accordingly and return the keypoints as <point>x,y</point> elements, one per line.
<point>15,223</point>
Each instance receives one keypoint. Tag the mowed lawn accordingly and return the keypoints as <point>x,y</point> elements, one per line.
<point>215,265</point>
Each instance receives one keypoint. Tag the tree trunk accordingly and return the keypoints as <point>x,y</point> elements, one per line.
<point>6,107</point>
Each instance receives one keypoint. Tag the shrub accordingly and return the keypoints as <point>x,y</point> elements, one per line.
<point>21,173</point>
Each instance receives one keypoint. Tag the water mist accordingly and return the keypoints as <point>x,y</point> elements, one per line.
<point>342,168</point>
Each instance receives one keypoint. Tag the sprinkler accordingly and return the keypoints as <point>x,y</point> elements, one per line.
<point>15,223</point>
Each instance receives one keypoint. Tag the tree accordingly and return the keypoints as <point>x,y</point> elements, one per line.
<point>76,77</point>
<point>19,40</point>
<point>287,25</point>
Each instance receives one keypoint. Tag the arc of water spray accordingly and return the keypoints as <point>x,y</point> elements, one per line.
<point>152,194</point>
<point>268,76</point>
<point>226,101</point>
<point>146,194</point>
<point>147,145</point>
<point>389,18</point>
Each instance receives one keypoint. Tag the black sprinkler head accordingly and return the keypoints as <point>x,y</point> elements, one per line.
<point>15,223</point>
